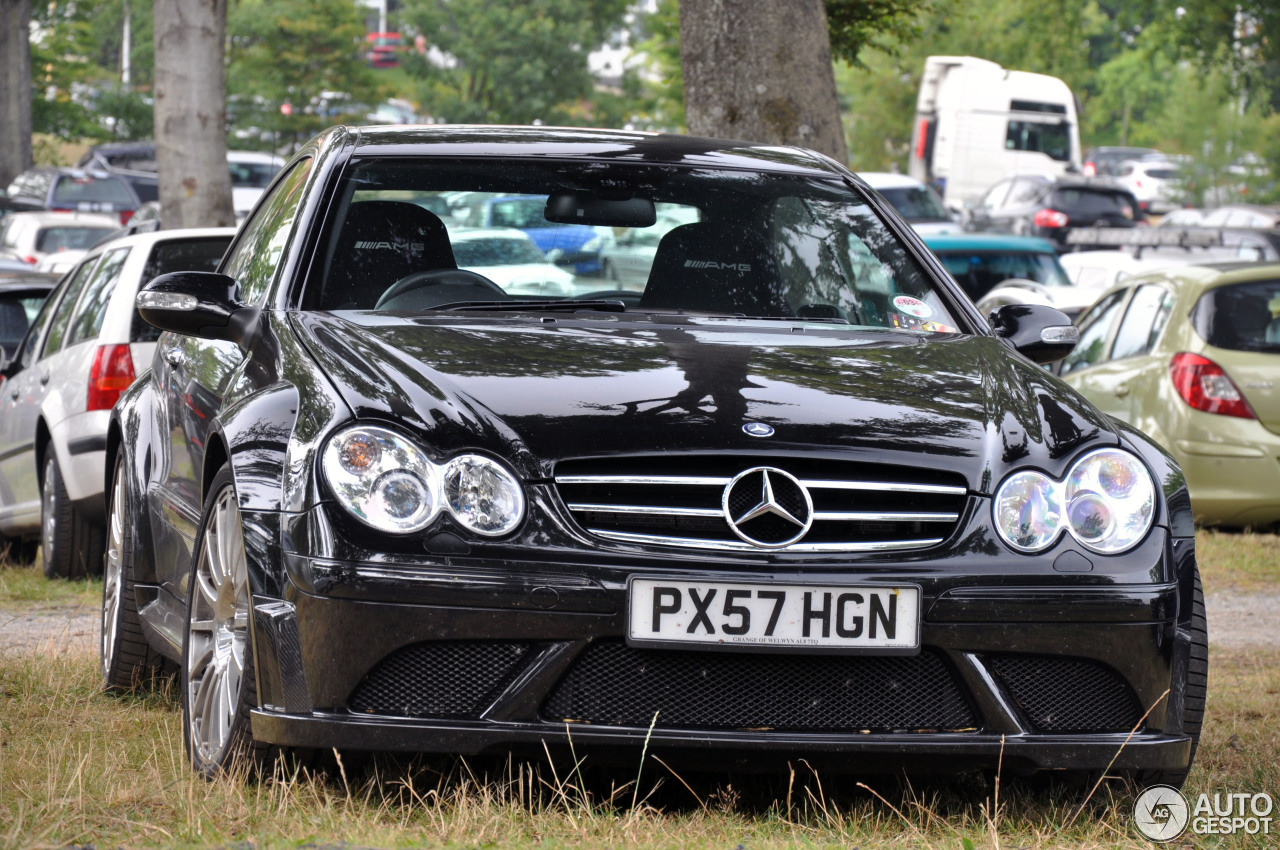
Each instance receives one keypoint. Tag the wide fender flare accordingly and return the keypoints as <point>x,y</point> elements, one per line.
<point>254,434</point>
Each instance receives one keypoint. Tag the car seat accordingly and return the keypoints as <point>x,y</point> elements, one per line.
<point>713,267</point>
<point>380,243</point>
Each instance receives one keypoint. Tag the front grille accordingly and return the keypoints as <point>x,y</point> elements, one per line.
<point>1067,694</point>
<point>675,500</point>
<point>438,679</point>
<point>618,685</point>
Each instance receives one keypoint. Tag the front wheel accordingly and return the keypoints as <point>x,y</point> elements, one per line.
<point>218,688</point>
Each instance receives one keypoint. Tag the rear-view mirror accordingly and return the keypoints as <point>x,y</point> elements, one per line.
<point>199,304</point>
<point>1042,334</point>
<point>587,208</point>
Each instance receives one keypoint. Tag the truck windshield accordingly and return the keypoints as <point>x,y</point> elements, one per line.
<point>1051,139</point>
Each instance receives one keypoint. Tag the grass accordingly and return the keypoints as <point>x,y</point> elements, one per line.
<point>78,767</point>
<point>1244,562</point>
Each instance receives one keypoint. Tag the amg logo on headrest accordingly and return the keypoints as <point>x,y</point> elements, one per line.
<point>712,264</point>
<point>390,246</point>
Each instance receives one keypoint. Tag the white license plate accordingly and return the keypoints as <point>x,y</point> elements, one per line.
<point>777,616</point>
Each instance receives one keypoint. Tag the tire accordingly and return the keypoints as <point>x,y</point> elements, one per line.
<point>73,547</point>
<point>128,661</point>
<point>1195,691</point>
<point>217,679</point>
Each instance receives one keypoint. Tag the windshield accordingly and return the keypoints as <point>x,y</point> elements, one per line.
<point>978,272</point>
<point>732,244</point>
<point>496,251</point>
<point>53,239</point>
<point>110,190</point>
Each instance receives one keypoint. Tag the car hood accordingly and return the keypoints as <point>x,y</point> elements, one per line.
<point>544,388</point>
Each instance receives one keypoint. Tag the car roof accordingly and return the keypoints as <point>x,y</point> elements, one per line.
<point>622,146</point>
<point>988,242</point>
<point>156,236</point>
<point>24,280</point>
<point>255,156</point>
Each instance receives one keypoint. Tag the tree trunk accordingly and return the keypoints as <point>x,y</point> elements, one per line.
<point>191,113</point>
<point>761,72</point>
<point>15,90</point>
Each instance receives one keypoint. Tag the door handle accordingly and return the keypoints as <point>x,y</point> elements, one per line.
<point>44,380</point>
<point>14,395</point>
<point>175,357</point>
<point>1122,390</point>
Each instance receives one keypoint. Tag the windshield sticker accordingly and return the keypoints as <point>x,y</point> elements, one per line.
<point>911,323</point>
<point>913,306</point>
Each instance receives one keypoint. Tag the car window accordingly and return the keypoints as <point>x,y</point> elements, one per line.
<point>978,272</point>
<point>1240,317</point>
<point>76,190</point>
<point>195,255</point>
<point>1143,320</point>
<point>1053,139</point>
<point>25,355</point>
<point>12,232</point>
<point>1095,327</point>
<point>62,320</point>
<point>53,239</point>
<point>1025,192</point>
<point>995,196</point>
<point>916,203</point>
<point>15,319</point>
<point>1091,202</point>
<point>261,242</point>
<point>92,306</point>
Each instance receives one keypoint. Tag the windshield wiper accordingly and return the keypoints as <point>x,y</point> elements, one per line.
<point>601,306</point>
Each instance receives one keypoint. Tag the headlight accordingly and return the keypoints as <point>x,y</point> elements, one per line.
<point>1107,503</point>
<point>390,484</point>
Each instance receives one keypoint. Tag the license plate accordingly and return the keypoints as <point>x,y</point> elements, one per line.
<point>774,616</point>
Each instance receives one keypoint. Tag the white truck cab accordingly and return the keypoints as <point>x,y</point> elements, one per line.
<point>978,123</point>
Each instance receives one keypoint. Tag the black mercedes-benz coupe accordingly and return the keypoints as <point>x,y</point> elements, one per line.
<point>794,497</point>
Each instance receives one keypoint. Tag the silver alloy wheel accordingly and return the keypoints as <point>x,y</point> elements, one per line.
<point>111,573</point>
<point>48,506</point>
<point>217,631</point>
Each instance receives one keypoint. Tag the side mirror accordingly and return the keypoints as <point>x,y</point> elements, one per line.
<point>1042,334</point>
<point>199,304</point>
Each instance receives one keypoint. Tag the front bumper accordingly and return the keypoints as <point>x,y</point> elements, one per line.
<point>338,629</point>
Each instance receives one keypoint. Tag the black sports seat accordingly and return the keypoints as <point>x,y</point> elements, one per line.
<point>715,268</point>
<point>381,242</point>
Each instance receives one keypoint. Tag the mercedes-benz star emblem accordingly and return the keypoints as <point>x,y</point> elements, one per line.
<point>757,429</point>
<point>767,507</point>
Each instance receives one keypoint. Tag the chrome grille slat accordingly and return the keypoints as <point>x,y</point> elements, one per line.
<point>854,507</point>
<point>738,546</point>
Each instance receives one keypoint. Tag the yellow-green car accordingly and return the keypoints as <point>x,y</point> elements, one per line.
<point>1191,356</point>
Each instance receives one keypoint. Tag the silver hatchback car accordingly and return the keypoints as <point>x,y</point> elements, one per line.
<point>84,348</point>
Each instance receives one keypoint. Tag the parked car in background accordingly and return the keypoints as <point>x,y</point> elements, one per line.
<point>1241,215</point>
<point>1033,205</point>
<point>1098,271</point>
<point>251,173</point>
<point>509,258</point>
<point>21,294</point>
<point>384,49</point>
<point>1187,217</point>
<point>574,246</point>
<point>73,190</point>
<point>994,269</point>
<point>84,348</point>
<point>134,161</point>
<point>1105,161</point>
<point>33,236</point>
<point>915,201</point>
<point>1191,356</point>
<point>800,501</point>
<point>62,262</point>
<point>1154,181</point>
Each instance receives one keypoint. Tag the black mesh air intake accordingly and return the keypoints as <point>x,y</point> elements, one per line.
<point>438,679</point>
<point>614,684</point>
<point>1067,694</point>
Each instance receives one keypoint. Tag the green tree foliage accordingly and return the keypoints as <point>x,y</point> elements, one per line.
<point>884,24</point>
<point>502,62</point>
<point>61,71</point>
<point>292,52</point>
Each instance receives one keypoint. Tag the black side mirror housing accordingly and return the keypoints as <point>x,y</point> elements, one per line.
<point>1040,333</point>
<point>200,304</point>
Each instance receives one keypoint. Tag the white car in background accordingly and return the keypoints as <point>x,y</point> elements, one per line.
<point>1153,181</point>
<point>915,201</point>
<point>509,258</point>
<point>32,236</point>
<point>251,173</point>
<point>84,348</point>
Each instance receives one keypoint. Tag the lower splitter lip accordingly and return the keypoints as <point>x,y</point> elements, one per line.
<point>1140,751</point>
